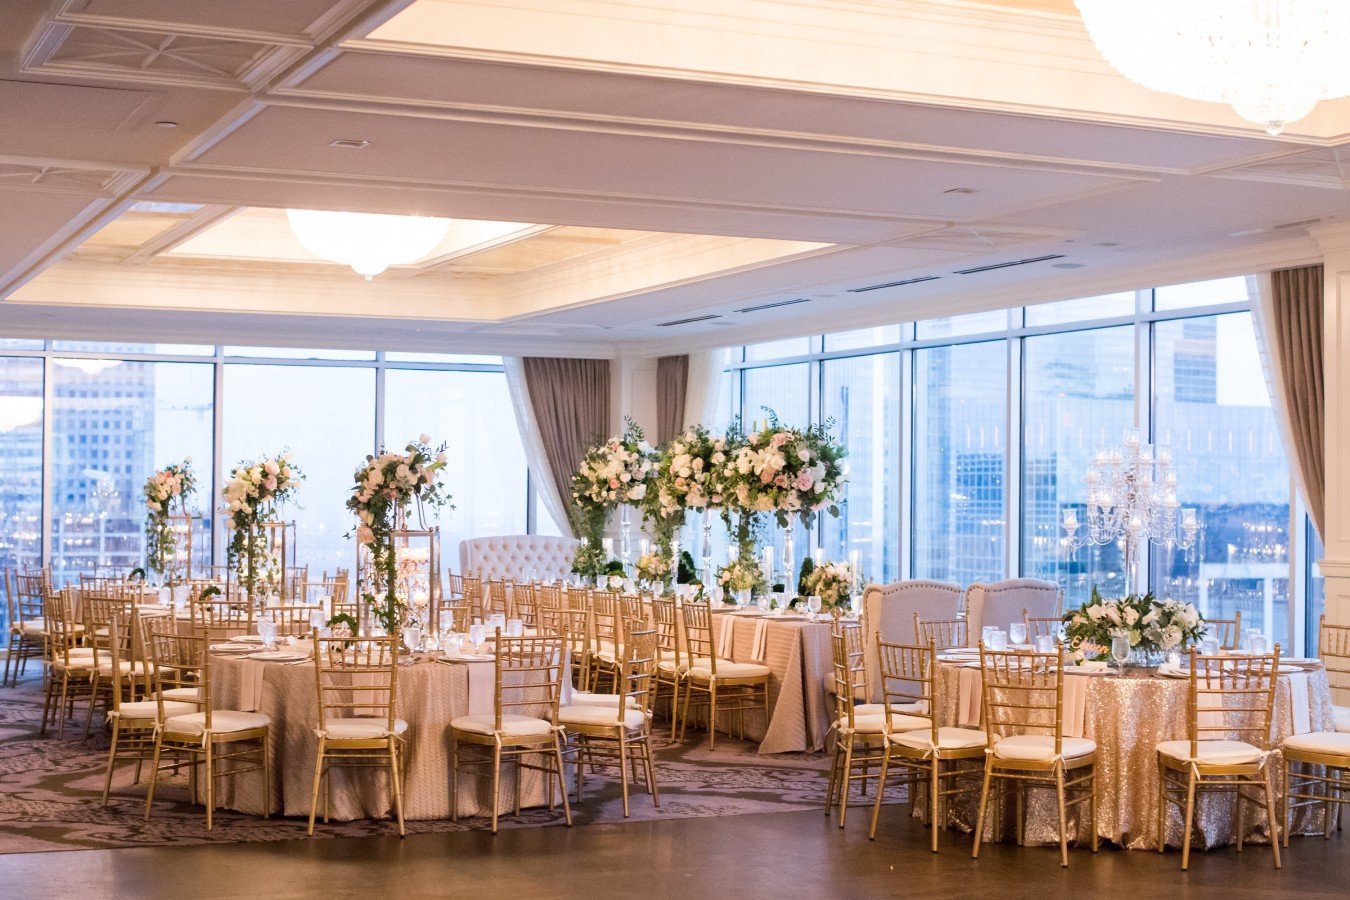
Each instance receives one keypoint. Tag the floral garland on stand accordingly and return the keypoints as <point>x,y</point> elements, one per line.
<point>386,487</point>
<point>171,483</point>
<point>612,473</point>
<point>687,475</point>
<point>252,495</point>
<point>1152,627</point>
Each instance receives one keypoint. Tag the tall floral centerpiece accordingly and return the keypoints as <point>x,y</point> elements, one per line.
<point>253,495</point>
<point>387,486</point>
<point>1151,627</point>
<point>169,487</point>
<point>687,476</point>
<point>788,472</point>
<point>614,473</point>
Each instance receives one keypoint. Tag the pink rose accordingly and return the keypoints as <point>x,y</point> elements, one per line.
<point>766,476</point>
<point>364,535</point>
<point>614,482</point>
<point>779,439</point>
<point>781,481</point>
<point>803,482</point>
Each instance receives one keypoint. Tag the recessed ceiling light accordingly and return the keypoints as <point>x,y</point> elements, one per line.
<point>961,190</point>
<point>1109,244</point>
<point>1066,265</point>
<point>350,144</point>
<point>165,123</point>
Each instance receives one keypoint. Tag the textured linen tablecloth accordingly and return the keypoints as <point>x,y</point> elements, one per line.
<point>800,663</point>
<point>430,694</point>
<point>1127,718</point>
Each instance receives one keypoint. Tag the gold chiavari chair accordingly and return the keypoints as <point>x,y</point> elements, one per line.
<point>100,608</point>
<point>550,596</point>
<point>931,756</point>
<point>452,617</point>
<point>1228,632</point>
<point>498,599</point>
<point>134,721</point>
<point>1317,765</point>
<point>358,611</point>
<point>209,737</point>
<point>1229,707</point>
<point>577,597</point>
<point>670,665</point>
<point>721,685</point>
<point>524,602</point>
<point>71,665</point>
<point>942,633</point>
<point>1334,649</point>
<point>575,630</point>
<point>358,726</point>
<point>607,646</point>
<point>454,585</point>
<point>524,722</point>
<point>221,619</point>
<point>24,596</point>
<point>292,621</point>
<point>473,596</point>
<point>634,608</point>
<point>859,732</point>
<point>1023,693</point>
<point>618,730</point>
<point>1041,626</point>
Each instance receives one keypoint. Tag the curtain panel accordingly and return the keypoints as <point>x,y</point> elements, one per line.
<point>672,386</point>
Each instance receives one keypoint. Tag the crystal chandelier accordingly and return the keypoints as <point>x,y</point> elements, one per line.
<point>1132,498</point>
<point>1271,60</point>
<point>368,242</point>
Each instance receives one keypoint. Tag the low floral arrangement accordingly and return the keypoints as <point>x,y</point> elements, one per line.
<point>1151,627</point>
<point>653,568</point>
<point>832,583</point>
<point>787,471</point>
<point>612,473</point>
<point>252,495</point>
<point>169,487</point>
<point>740,575</point>
<point>386,488</point>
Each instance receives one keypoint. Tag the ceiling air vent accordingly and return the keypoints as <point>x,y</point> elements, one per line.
<point>688,321</point>
<point>891,284</point>
<point>1009,265</point>
<point>763,306</point>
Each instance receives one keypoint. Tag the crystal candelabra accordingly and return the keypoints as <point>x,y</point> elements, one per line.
<point>1132,498</point>
<point>709,577</point>
<point>625,537</point>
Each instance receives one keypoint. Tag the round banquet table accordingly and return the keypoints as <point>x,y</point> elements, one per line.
<point>430,694</point>
<point>1128,717</point>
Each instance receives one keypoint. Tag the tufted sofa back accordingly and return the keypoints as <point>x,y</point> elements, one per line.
<point>516,556</point>
<point>1002,602</point>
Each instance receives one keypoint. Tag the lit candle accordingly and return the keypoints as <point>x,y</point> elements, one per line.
<point>853,567</point>
<point>644,547</point>
<point>608,545</point>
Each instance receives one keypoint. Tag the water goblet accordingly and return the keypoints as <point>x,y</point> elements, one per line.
<point>477,634</point>
<point>1120,651</point>
<point>813,604</point>
<point>412,638</point>
<point>1017,633</point>
<point>1209,646</point>
<point>1045,643</point>
<point>496,621</point>
<point>998,640</point>
<point>1256,642</point>
<point>514,628</point>
<point>267,630</point>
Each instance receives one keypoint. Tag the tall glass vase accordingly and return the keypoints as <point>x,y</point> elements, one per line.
<point>674,578</point>
<point>626,537</point>
<point>789,564</point>
<point>707,568</point>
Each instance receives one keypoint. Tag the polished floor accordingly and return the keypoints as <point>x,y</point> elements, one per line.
<point>775,855</point>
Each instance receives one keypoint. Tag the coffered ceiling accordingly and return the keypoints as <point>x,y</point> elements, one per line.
<point>610,167</point>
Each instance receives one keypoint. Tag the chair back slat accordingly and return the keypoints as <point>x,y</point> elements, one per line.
<point>945,633</point>
<point>356,678</point>
<point>907,675</point>
<point>638,670</point>
<point>177,660</point>
<point>666,614</point>
<point>1232,698</point>
<point>1228,632</point>
<point>528,677</point>
<point>292,621</point>
<point>698,636</point>
<point>1333,646</point>
<point>1022,693</point>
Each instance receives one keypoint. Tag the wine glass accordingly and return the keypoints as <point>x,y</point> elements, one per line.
<point>1017,633</point>
<point>813,604</point>
<point>477,634</point>
<point>1120,650</point>
<point>267,630</point>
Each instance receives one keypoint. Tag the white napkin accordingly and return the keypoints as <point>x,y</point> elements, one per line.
<point>760,644</point>
<point>1299,706</point>
<point>1075,704</point>
<point>968,698</point>
<point>250,685</point>
<point>726,638</point>
<point>482,684</point>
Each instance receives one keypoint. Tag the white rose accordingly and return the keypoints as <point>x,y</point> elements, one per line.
<point>424,438</point>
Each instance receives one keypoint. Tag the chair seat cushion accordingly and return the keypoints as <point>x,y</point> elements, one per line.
<point>32,627</point>
<point>512,726</point>
<point>1214,753</point>
<point>600,715</point>
<point>149,710</point>
<point>223,721</point>
<point>1341,716</point>
<point>948,739</point>
<point>869,709</point>
<point>875,723</point>
<point>1036,747</point>
<point>1320,742</point>
<point>127,668</point>
<point>609,701</point>
<point>702,668</point>
<point>183,693</point>
<point>360,728</point>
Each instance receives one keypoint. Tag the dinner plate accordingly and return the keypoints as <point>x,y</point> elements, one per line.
<point>232,648</point>
<point>470,657</point>
<point>278,656</point>
<point>1088,673</point>
<point>247,639</point>
<point>790,617</point>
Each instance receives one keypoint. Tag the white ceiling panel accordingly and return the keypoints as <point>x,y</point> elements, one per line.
<point>31,223</point>
<point>275,16</point>
<point>297,140</point>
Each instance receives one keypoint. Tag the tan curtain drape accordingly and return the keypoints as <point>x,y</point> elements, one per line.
<point>1290,319</point>
<point>570,401</point>
<point>672,387</point>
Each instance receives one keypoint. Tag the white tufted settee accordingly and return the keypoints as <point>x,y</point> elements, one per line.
<point>516,556</point>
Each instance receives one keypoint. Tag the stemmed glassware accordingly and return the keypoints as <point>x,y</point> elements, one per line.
<point>1120,650</point>
<point>1017,633</point>
<point>267,630</point>
<point>813,605</point>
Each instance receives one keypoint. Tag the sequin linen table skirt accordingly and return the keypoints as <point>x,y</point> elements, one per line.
<point>1128,717</point>
<point>430,694</point>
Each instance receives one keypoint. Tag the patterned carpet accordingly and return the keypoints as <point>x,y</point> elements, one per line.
<point>50,793</point>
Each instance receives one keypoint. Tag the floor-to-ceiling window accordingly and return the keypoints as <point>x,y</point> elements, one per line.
<point>20,462</point>
<point>1001,413</point>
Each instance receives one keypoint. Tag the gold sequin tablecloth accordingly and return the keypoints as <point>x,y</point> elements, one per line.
<point>430,694</point>
<point>1128,717</point>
